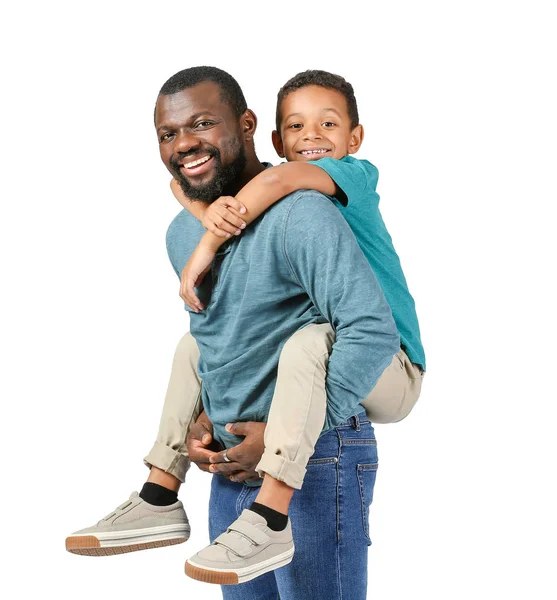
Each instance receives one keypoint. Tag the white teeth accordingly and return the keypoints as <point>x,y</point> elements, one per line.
<point>320,151</point>
<point>196,162</point>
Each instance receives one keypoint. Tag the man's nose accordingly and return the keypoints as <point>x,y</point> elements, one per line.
<point>185,142</point>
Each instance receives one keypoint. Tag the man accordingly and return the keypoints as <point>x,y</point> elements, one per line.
<point>299,264</point>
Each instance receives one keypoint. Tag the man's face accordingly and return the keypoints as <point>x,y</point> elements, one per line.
<point>315,124</point>
<point>200,141</point>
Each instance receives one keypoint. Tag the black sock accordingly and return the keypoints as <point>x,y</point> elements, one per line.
<point>275,520</point>
<point>156,494</point>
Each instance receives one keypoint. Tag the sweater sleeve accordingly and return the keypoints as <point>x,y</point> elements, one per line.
<point>328,264</point>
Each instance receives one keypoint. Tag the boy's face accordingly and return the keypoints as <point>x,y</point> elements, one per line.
<point>315,124</point>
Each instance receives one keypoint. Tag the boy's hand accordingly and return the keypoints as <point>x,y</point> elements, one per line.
<point>222,217</point>
<point>243,457</point>
<point>193,274</point>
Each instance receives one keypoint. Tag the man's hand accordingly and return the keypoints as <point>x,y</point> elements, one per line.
<point>193,274</point>
<point>199,440</point>
<point>222,217</point>
<point>245,456</point>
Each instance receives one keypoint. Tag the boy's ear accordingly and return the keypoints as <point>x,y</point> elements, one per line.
<point>356,139</point>
<point>248,123</point>
<point>277,143</point>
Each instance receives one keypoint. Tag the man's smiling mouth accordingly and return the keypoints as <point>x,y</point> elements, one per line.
<point>195,163</point>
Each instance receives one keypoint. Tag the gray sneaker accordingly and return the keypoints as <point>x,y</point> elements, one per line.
<point>134,525</point>
<point>246,550</point>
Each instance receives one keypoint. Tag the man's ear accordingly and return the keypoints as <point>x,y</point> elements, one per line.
<point>248,123</point>
<point>277,143</point>
<point>356,139</point>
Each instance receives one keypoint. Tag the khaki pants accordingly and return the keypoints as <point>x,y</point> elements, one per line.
<point>298,408</point>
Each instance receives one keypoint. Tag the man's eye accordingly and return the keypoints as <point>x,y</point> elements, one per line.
<point>203,124</point>
<point>165,137</point>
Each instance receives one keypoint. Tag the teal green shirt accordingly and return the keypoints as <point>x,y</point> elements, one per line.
<point>359,205</point>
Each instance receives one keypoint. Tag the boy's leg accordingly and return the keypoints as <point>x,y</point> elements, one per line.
<point>182,406</point>
<point>227,501</point>
<point>155,517</point>
<point>297,413</point>
<point>298,409</point>
<point>396,392</point>
<point>261,538</point>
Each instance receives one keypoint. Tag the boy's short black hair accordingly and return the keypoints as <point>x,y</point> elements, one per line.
<point>322,79</point>
<point>231,92</point>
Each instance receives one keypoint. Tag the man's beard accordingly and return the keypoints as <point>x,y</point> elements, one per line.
<point>224,181</point>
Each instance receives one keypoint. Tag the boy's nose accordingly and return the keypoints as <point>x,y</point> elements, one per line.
<point>312,134</point>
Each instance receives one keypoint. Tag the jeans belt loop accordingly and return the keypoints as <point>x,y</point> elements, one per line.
<point>356,422</point>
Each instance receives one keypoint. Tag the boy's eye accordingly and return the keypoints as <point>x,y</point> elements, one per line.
<point>295,126</point>
<point>328,124</point>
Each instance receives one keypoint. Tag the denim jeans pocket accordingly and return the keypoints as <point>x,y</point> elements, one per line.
<point>323,461</point>
<point>366,482</point>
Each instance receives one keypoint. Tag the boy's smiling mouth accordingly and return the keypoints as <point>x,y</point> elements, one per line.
<point>314,152</point>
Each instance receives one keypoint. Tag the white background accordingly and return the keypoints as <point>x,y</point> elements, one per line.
<point>458,104</point>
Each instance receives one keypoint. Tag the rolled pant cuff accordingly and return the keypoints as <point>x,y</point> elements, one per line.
<point>281,469</point>
<point>169,460</point>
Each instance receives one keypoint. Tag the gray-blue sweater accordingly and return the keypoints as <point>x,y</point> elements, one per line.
<point>298,263</point>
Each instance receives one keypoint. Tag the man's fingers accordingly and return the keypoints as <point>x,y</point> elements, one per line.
<point>225,468</point>
<point>201,432</point>
<point>242,476</point>
<point>202,458</point>
<point>241,428</point>
<point>230,455</point>
<point>201,453</point>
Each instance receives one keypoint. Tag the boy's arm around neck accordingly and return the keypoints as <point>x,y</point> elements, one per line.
<point>273,184</point>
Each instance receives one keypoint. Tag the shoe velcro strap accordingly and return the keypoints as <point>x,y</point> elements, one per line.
<point>250,531</point>
<point>236,544</point>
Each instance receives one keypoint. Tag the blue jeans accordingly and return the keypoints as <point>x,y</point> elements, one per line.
<point>329,520</point>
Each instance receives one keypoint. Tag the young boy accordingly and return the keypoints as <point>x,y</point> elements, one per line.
<point>317,123</point>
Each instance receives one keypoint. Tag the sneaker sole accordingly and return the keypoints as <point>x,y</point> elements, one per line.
<point>121,542</point>
<point>233,577</point>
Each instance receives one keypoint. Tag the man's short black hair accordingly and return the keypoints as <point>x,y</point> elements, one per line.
<point>231,92</point>
<point>322,79</point>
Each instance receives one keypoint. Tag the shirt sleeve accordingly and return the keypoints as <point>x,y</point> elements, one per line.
<point>352,177</point>
<point>328,264</point>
